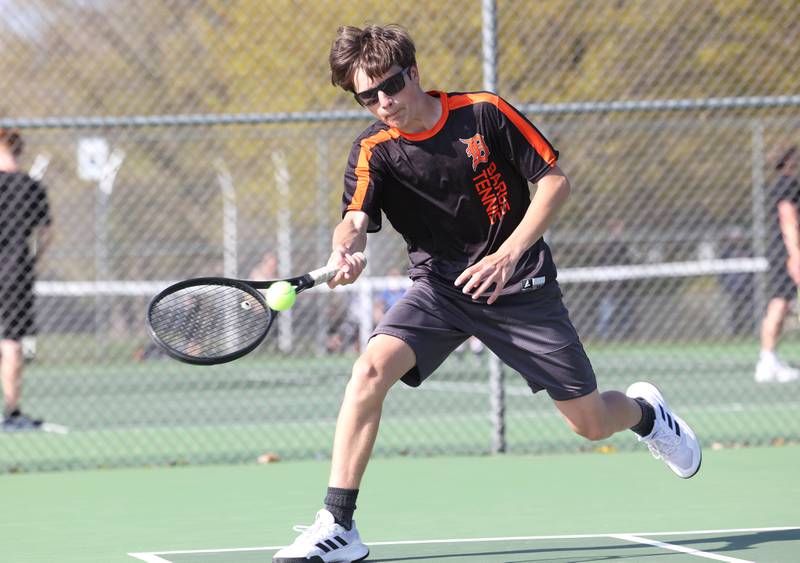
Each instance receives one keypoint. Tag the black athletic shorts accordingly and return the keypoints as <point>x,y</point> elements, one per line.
<point>779,283</point>
<point>16,311</point>
<point>530,332</point>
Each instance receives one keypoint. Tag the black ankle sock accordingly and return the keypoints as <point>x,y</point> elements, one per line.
<point>8,413</point>
<point>341,503</point>
<point>645,426</point>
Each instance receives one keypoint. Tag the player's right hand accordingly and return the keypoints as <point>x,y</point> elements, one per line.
<point>350,266</point>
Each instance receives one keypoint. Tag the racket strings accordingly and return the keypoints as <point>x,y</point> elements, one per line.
<point>211,317</point>
<point>198,334</point>
<point>226,316</point>
<point>209,320</point>
<point>213,328</point>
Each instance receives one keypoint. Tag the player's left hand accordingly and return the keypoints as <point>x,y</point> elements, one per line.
<point>350,266</point>
<point>494,269</point>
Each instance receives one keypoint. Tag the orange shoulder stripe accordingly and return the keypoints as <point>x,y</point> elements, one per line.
<point>530,133</point>
<point>362,166</point>
<point>461,100</point>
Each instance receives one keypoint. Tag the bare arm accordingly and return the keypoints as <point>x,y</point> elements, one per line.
<point>552,191</point>
<point>349,237</point>
<point>790,229</point>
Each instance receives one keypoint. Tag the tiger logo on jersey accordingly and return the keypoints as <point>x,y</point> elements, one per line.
<point>476,150</point>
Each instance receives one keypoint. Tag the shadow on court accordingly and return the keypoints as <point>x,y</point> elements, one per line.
<point>742,542</point>
<point>510,556</point>
<point>576,550</point>
<point>747,545</point>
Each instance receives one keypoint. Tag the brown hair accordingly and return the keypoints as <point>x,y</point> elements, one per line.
<point>781,154</point>
<point>13,140</point>
<point>374,49</point>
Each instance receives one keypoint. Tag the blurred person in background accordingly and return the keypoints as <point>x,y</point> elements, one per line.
<point>343,331</point>
<point>266,268</point>
<point>24,234</point>
<point>739,286</point>
<point>615,306</point>
<point>389,295</point>
<point>783,255</point>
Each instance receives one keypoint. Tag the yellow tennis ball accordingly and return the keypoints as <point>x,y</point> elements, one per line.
<point>281,296</point>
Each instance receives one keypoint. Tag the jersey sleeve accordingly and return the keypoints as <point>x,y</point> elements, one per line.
<point>362,183</point>
<point>785,189</point>
<point>528,149</point>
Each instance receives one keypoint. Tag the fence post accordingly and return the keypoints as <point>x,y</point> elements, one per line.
<point>230,257</point>
<point>759,214</point>
<point>323,237</point>
<point>103,307</point>
<point>497,396</point>
<point>283,181</point>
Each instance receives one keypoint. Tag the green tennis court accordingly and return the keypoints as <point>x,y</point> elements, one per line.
<point>570,507</point>
<point>161,412</point>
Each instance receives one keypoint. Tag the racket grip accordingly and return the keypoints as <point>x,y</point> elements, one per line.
<point>325,273</point>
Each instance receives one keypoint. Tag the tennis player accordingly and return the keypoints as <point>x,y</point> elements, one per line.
<point>24,218</point>
<point>783,256</point>
<point>451,172</point>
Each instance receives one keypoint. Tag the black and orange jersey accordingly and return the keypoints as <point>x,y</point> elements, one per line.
<point>456,191</point>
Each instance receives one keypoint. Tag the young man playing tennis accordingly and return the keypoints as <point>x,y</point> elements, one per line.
<point>450,171</point>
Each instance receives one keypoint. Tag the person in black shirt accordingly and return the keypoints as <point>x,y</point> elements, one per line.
<point>24,219</point>
<point>451,171</point>
<point>783,256</point>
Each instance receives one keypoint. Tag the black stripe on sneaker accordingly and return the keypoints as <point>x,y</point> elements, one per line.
<point>669,421</point>
<point>661,409</point>
<point>323,547</point>
<point>332,544</point>
<point>677,429</point>
<point>340,540</point>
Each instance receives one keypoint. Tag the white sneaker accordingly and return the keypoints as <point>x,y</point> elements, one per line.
<point>671,438</point>
<point>787,373</point>
<point>766,371</point>
<point>324,541</point>
<point>775,372</point>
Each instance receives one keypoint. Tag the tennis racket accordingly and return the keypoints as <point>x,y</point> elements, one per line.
<point>207,321</point>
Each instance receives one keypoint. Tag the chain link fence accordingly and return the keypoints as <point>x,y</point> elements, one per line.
<point>179,139</point>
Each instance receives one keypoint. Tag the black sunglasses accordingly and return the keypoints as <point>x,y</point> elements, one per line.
<point>390,87</point>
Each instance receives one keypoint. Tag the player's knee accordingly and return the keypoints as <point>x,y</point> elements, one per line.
<point>368,379</point>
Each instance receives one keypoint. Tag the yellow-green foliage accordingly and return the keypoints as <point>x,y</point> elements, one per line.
<point>252,56</point>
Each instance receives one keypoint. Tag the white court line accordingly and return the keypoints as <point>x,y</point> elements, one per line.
<point>148,557</point>
<point>153,557</point>
<point>54,428</point>
<point>687,550</point>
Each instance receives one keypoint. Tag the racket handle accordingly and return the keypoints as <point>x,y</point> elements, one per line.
<point>325,273</point>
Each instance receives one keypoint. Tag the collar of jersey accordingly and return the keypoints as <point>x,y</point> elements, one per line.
<point>437,127</point>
